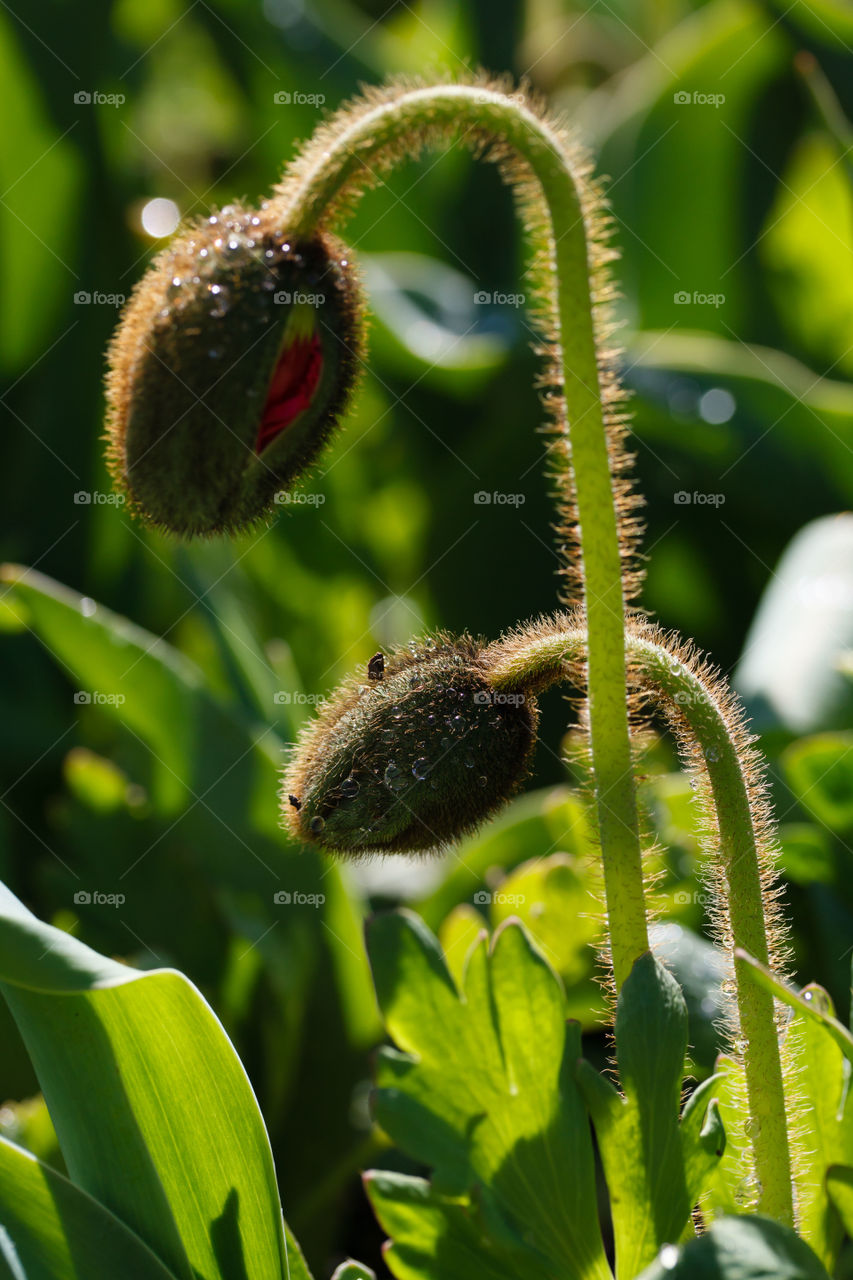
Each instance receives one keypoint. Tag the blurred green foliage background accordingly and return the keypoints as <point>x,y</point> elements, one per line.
<point>723,129</point>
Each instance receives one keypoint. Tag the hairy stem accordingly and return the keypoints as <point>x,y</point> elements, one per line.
<point>684,689</point>
<point>323,185</point>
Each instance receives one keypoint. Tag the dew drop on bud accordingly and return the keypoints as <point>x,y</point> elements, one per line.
<point>360,765</point>
<point>202,448</point>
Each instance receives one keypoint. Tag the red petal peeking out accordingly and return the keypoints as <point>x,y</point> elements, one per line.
<point>293,384</point>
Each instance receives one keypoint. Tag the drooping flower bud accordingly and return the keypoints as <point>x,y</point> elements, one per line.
<point>409,758</point>
<point>231,366</point>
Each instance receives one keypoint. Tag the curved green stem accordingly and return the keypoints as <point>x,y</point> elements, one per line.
<point>543,660</point>
<point>325,182</point>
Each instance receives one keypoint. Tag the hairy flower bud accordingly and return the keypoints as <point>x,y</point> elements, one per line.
<point>409,758</point>
<point>231,366</point>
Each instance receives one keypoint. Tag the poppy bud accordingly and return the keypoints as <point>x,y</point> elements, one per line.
<point>409,758</point>
<point>229,370</point>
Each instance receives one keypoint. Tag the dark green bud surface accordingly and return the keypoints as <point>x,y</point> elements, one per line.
<point>412,759</point>
<point>231,366</point>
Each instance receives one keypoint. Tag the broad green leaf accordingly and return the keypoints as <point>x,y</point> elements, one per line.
<point>703,1138</point>
<point>557,900</point>
<point>154,1113</point>
<point>800,1002</point>
<point>638,1134</point>
<point>438,1237</point>
<point>729,1187</point>
<point>55,1231</point>
<point>820,774</point>
<point>532,826</point>
<point>199,748</point>
<point>480,1088</point>
<point>822,1088</point>
<point>457,935</point>
<point>839,1184</point>
<point>739,1248</point>
<point>41,178</point>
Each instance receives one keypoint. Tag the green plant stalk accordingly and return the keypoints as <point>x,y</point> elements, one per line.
<point>663,673</point>
<point>335,175</point>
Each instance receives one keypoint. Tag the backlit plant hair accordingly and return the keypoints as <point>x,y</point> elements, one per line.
<point>348,786</point>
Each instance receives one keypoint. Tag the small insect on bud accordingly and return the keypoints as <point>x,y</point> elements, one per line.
<point>411,759</point>
<point>230,368</point>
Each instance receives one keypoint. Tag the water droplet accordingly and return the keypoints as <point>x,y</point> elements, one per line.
<point>233,244</point>
<point>349,788</point>
<point>214,353</point>
<point>317,824</point>
<point>87,607</point>
<point>482,781</point>
<point>176,282</point>
<point>459,724</point>
<point>269,253</point>
<point>255,221</point>
<point>420,769</point>
<point>393,777</point>
<point>712,754</point>
<point>213,220</point>
<point>285,248</point>
<point>203,253</point>
<point>444,744</point>
<point>469,760</point>
<point>214,288</point>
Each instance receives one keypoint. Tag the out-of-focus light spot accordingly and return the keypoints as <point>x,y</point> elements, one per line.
<point>717,405</point>
<point>668,1257</point>
<point>160,217</point>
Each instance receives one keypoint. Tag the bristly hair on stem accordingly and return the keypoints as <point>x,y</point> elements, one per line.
<point>317,193</point>
<point>739,842</point>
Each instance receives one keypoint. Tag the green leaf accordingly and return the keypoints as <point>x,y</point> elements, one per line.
<point>436,1237</point>
<point>739,1248</point>
<point>703,1137</point>
<point>199,748</point>
<point>153,1110</point>
<point>481,1089</point>
<point>55,1231</point>
<point>800,1002</point>
<point>353,1271</point>
<point>822,1090</point>
<point>638,1134</point>
<point>820,774</point>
